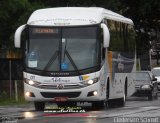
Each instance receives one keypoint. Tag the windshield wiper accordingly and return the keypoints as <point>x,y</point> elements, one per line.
<point>72,62</point>
<point>53,58</point>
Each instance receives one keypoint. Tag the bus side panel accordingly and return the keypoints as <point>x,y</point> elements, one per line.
<point>131,84</point>
<point>120,65</point>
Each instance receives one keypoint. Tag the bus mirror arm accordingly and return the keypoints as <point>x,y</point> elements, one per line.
<point>106,35</point>
<point>17,36</point>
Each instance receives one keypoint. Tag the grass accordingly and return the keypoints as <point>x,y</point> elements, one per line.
<point>12,102</point>
<point>5,100</point>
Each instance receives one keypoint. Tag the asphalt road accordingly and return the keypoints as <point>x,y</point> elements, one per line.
<point>136,110</point>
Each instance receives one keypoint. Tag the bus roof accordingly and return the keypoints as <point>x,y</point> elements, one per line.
<point>68,16</point>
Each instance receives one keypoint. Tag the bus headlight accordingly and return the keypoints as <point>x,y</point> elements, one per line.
<point>91,81</point>
<point>31,82</point>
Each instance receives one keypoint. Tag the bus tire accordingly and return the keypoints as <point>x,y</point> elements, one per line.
<point>39,106</point>
<point>122,101</point>
<point>98,104</point>
<point>64,104</point>
<point>111,103</point>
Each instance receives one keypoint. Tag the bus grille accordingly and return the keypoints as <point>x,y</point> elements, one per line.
<point>65,94</point>
<point>66,86</point>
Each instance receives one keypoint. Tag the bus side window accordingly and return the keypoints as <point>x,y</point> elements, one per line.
<point>103,53</point>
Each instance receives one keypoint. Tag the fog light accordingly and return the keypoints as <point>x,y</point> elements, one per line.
<point>95,93</point>
<point>29,94</point>
<point>92,93</point>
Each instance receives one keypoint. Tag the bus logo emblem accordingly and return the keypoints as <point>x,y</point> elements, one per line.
<point>60,86</point>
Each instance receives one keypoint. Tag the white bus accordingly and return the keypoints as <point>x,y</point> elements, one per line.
<point>77,54</point>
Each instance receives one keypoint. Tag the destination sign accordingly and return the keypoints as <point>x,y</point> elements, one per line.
<point>44,30</point>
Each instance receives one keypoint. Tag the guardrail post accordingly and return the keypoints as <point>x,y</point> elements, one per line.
<point>10,79</point>
<point>16,90</point>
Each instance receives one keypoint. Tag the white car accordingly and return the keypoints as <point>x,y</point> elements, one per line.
<point>156,72</point>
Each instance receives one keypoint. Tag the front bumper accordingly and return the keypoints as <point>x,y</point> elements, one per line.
<point>82,94</point>
<point>143,93</point>
<point>159,86</point>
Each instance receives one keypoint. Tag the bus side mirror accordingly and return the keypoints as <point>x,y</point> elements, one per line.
<point>17,36</point>
<point>106,35</point>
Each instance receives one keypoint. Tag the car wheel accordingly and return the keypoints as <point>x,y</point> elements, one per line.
<point>156,96</point>
<point>150,96</point>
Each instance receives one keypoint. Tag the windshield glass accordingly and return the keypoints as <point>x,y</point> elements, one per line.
<point>156,72</point>
<point>62,49</point>
<point>143,76</point>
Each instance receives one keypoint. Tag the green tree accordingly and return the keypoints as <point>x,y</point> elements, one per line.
<point>13,13</point>
<point>145,15</point>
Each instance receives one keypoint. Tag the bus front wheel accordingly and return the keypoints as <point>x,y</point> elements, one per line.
<point>98,104</point>
<point>39,106</point>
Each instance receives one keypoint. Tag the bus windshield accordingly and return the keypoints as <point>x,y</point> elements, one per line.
<point>62,49</point>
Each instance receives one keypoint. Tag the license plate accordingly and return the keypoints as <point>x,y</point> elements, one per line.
<point>60,99</point>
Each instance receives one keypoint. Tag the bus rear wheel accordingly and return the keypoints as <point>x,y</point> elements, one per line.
<point>39,106</point>
<point>122,101</point>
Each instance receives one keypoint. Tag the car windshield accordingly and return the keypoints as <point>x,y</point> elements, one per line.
<point>143,76</point>
<point>156,72</point>
<point>62,49</point>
